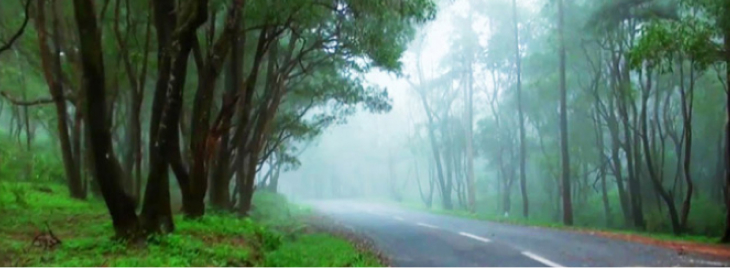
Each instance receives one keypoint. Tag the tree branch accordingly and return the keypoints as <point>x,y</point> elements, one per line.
<point>19,102</point>
<point>20,31</point>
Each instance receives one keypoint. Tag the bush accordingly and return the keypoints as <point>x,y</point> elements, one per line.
<point>706,218</point>
<point>43,164</point>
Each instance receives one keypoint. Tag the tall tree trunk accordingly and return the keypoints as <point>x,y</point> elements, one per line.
<point>633,185</point>
<point>565,158</point>
<point>613,128</point>
<point>445,195</point>
<point>687,99</point>
<point>220,178</point>
<point>121,206</point>
<point>470,181</point>
<point>53,75</point>
<point>523,149</point>
<point>259,130</point>
<point>726,32</point>
<point>203,139</point>
<point>156,202</point>
<point>175,43</point>
<point>651,168</point>
<point>602,161</point>
<point>246,167</point>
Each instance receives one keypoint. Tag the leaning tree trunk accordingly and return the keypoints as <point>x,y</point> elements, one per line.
<point>174,48</point>
<point>245,174</point>
<point>202,139</point>
<point>220,176</point>
<point>656,181</point>
<point>687,99</point>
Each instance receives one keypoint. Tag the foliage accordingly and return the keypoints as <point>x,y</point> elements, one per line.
<point>215,240</point>
<point>302,253</point>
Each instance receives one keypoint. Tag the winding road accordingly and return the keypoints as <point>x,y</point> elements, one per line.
<point>415,238</point>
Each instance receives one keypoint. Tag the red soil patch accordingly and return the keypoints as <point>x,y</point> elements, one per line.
<point>681,247</point>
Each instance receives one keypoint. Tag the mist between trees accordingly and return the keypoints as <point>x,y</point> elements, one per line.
<point>589,113</point>
<point>606,113</point>
<point>135,94</point>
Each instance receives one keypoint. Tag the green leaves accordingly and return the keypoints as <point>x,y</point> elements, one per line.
<point>656,47</point>
<point>692,36</point>
<point>662,42</point>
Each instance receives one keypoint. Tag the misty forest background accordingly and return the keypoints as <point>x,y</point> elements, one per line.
<point>644,86</point>
<point>604,113</point>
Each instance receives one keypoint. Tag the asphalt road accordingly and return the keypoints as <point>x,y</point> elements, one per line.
<point>416,238</point>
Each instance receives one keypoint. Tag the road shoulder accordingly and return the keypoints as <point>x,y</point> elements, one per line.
<point>321,223</point>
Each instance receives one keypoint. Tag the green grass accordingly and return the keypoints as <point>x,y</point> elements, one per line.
<point>310,249</point>
<point>274,235</point>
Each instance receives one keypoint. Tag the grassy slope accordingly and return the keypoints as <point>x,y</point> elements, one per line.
<point>275,235</point>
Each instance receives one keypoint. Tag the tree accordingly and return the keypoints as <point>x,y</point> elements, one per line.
<point>523,149</point>
<point>121,206</point>
<point>565,158</point>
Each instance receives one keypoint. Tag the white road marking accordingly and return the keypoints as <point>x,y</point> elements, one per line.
<point>485,240</point>
<point>427,225</point>
<point>398,218</point>
<point>707,263</point>
<point>540,259</point>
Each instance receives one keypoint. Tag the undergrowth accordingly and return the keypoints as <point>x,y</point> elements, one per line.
<point>34,198</point>
<point>274,235</point>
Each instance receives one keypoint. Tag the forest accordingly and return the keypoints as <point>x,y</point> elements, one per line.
<point>94,97</point>
<point>192,132</point>
<point>601,114</point>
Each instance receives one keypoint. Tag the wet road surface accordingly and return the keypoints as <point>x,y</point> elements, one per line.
<point>416,238</point>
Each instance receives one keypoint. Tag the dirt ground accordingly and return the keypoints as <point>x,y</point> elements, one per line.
<point>721,252</point>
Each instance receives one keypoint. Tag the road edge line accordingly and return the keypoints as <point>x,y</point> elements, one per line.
<point>540,259</point>
<point>479,238</point>
<point>427,225</point>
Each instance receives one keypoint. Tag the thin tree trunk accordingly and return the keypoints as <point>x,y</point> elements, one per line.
<point>657,182</point>
<point>565,158</point>
<point>445,196</point>
<point>53,75</point>
<point>633,185</point>
<point>523,150</point>
<point>203,140</point>
<point>220,180</point>
<point>602,161</point>
<point>726,33</point>
<point>173,51</point>
<point>687,104</point>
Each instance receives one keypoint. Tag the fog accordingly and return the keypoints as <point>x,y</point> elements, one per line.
<point>371,154</point>
<point>274,125</point>
<point>462,67</point>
